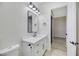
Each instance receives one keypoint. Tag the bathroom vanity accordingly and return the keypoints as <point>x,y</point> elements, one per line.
<point>34,46</point>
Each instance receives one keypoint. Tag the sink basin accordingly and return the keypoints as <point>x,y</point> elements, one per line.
<point>34,39</point>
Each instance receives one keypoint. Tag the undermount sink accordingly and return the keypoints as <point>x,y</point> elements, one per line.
<point>34,39</point>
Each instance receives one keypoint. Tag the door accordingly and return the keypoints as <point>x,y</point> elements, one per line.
<point>71,29</point>
<point>77,4</point>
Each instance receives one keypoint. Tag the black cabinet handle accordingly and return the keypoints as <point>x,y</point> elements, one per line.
<point>29,45</point>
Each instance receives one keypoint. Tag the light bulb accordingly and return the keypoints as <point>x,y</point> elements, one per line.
<point>36,11</point>
<point>31,6</point>
<point>34,8</point>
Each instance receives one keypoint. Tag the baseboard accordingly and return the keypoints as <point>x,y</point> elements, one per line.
<point>60,37</point>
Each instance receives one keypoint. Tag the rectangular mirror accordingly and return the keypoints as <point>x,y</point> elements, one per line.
<point>32,22</point>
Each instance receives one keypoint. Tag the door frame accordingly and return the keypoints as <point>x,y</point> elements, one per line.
<point>52,18</point>
<point>51,26</point>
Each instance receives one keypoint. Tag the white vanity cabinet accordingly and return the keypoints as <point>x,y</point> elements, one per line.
<point>26,49</point>
<point>34,49</point>
<point>39,48</point>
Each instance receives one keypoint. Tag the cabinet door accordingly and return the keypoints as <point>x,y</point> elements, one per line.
<point>39,48</point>
<point>45,43</point>
<point>36,50</point>
<point>27,49</point>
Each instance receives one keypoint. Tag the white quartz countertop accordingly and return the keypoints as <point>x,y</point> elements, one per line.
<point>34,39</point>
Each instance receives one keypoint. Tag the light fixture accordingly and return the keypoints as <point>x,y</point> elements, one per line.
<point>38,12</point>
<point>31,6</point>
<point>34,8</point>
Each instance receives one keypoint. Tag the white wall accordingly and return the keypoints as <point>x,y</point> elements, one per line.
<point>60,27</point>
<point>43,28</point>
<point>13,25</point>
<point>59,12</point>
<point>45,9</point>
<point>36,4</point>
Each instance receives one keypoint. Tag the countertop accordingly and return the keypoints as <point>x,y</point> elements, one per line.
<point>34,39</point>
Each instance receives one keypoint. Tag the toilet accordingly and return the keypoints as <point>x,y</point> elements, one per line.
<point>10,51</point>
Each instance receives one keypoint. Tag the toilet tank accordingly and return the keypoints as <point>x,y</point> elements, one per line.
<point>10,51</point>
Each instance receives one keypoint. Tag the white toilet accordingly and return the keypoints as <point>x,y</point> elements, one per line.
<point>10,51</point>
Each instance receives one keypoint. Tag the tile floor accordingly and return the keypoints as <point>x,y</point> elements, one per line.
<point>58,48</point>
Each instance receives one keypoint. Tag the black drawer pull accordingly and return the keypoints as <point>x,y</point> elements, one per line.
<point>74,43</point>
<point>29,45</point>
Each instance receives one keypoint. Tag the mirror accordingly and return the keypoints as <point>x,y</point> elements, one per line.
<point>32,22</point>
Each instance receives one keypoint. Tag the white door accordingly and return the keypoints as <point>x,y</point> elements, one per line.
<point>71,29</point>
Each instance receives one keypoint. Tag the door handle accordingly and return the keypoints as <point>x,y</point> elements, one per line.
<point>74,43</point>
<point>77,43</point>
<point>66,34</point>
